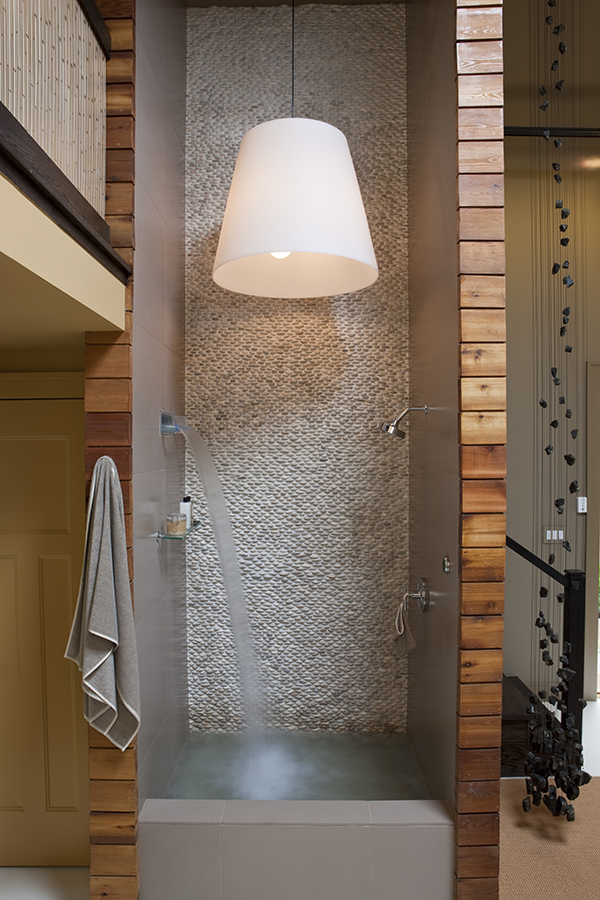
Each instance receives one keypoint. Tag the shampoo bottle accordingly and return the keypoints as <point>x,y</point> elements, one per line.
<point>185,507</point>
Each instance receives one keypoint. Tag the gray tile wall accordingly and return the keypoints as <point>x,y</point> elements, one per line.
<point>434,482</point>
<point>158,381</point>
<point>256,850</point>
<point>288,393</point>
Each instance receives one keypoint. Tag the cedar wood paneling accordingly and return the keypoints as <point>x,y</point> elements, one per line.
<point>482,391</point>
<point>108,430</point>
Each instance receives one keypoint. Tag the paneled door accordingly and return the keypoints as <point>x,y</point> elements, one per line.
<point>43,736</point>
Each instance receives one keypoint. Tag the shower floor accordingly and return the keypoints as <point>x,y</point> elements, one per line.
<point>298,765</point>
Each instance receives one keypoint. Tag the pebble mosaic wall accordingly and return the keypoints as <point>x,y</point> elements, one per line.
<point>289,393</point>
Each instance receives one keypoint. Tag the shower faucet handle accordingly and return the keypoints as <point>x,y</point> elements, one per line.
<point>421,595</point>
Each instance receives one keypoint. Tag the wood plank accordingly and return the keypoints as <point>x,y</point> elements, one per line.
<point>478,666</point>
<point>487,325</point>
<point>120,99</point>
<point>113,859</point>
<point>108,361</point>
<point>483,360</point>
<point>477,862</point>
<point>477,796</point>
<point>119,199</point>
<point>113,888</point>
<point>122,233</point>
<point>460,3</point>
<point>112,337</point>
<point>482,462</point>
<point>482,290</point>
<point>479,57</point>
<point>479,700</point>
<point>477,829</point>
<point>480,156</point>
<point>120,165</point>
<point>482,394</point>
<point>129,295</point>
<point>483,530</point>
<point>477,889</point>
<point>113,796</point>
<point>482,632</point>
<point>482,258</point>
<point>477,190</point>
<point>122,33</point>
<point>479,765</point>
<point>127,254</point>
<point>479,731</point>
<point>483,428</point>
<point>121,456</point>
<point>108,429</point>
<point>108,395</point>
<point>113,828</point>
<point>482,495</point>
<point>483,124</point>
<point>121,67</point>
<point>127,489</point>
<point>481,224</point>
<point>96,739</point>
<point>120,133</point>
<point>117,9</point>
<point>482,564</point>
<point>481,598</point>
<point>480,90</point>
<point>114,764</point>
<point>478,24</point>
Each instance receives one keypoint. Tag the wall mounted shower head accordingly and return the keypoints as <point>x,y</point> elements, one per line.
<point>392,427</point>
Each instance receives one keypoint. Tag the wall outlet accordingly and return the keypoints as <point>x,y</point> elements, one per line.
<point>582,504</point>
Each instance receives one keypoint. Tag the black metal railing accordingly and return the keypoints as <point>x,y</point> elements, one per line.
<point>573,581</point>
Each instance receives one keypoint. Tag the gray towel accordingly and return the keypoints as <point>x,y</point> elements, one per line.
<point>102,640</point>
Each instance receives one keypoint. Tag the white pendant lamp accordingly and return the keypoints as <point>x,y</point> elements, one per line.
<point>294,225</point>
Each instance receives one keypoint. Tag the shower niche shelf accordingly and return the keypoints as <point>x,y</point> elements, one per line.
<point>175,537</point>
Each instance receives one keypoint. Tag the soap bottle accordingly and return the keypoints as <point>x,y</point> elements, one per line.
<point>185,507</point>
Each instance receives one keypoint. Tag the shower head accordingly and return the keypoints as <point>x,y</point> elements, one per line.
<point>392,427</point>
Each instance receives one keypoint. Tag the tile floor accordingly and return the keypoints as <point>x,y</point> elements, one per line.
<point>45,883</point>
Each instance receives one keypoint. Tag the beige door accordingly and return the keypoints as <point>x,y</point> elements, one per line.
<point>43,736</point>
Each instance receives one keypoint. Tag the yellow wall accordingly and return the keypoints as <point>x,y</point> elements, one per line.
<point>52,290</point>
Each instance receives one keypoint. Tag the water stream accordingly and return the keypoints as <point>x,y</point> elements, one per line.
<point>252,698</point>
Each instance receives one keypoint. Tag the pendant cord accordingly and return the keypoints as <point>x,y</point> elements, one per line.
<point>293,50</point>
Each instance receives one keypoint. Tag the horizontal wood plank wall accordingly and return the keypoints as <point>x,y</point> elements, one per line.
<point>108,431</point>
<point>481,294</point>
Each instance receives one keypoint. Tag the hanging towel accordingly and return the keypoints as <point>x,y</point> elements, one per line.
<point>102,640</point>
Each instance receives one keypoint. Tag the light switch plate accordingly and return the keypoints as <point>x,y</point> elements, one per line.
<point>582,504</point>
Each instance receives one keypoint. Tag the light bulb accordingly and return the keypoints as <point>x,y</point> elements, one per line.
<point>281,254</point>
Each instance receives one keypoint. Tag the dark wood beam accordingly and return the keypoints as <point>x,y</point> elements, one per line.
<point>31,170</point>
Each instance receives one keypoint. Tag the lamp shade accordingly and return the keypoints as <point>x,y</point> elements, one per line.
<point>294,193</point>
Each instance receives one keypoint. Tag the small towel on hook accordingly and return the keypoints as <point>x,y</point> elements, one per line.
<point>102,640</point>
<point>404,641</point>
